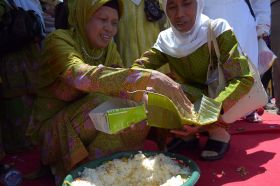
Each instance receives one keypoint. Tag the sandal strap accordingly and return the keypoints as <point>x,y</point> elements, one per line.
<point>178,144</point>
<point>216,146</point>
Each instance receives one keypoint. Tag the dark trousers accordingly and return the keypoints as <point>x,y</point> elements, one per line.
<point>275,45</point>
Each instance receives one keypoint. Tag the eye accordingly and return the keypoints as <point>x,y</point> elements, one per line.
<point>187,2</point>
<point>103,19</point>
<point>115,23</point>
<point>171,6</point>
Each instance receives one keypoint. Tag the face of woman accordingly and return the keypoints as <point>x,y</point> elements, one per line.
<point>102,27</point>
<point>182,14</point>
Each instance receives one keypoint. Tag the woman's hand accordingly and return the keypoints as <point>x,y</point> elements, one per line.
<point>162,84</point>
<point>186,131</point>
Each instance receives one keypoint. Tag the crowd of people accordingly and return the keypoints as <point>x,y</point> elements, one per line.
<point>86,52</point>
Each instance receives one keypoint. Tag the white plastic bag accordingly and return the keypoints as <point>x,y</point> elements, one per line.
<point>266,57</point>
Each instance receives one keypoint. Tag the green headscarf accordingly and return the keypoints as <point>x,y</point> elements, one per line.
<point>64,49</point>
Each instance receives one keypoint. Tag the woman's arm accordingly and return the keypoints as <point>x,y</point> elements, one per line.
<point>71,69</point>
<point>151,59</point>
<point>236,70</point>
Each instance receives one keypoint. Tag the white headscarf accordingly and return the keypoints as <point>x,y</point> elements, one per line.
<point>137,2</point>
<point>178,44</point>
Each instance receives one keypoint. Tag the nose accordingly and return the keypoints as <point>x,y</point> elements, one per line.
<point>109,27</point>
<point>180,12</point>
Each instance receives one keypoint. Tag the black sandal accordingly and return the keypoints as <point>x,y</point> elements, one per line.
<point>216,146</point>
<point>178,144</point>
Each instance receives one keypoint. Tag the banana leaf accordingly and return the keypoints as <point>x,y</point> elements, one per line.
<point>163,113</point>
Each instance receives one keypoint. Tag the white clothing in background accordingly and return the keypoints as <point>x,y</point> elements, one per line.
<point>238,15</point>
<point>137,2</point>
<point>31,5</point>
<point>262,12</point>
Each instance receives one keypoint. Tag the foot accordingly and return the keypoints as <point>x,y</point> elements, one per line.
<point>270,106</point>
<point>217,144</point>
<point>214,150</point>
<point>254,117</point>
<point>178,144</point>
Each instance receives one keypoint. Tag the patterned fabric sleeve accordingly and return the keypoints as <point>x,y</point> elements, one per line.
<point>236,70</point>
<point>107,80</point>
<point>64,68</point>
<point>151,59</point>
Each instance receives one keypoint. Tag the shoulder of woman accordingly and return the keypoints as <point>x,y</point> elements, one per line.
<point>166,34</point>
<point>60,36</point>
<point>220,26</point>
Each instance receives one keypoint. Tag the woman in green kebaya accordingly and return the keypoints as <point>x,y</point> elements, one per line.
<point>184,47</point>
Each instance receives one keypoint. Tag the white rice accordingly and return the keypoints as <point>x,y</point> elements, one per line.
<point>159,170</point>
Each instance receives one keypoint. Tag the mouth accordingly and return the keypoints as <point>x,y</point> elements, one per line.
<point>181,24</point>
<point>106,37</point>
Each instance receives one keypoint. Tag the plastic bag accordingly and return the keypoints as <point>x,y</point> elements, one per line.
<point>266,57</point>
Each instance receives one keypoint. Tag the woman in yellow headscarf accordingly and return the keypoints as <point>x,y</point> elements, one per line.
<point>75,75</point>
